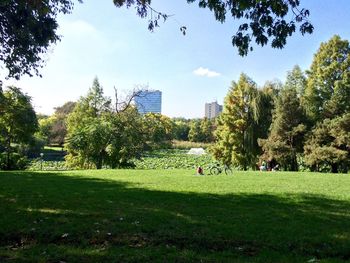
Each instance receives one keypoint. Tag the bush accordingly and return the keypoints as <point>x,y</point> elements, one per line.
<point>33,149</point>
<point>37,164</point>
<point>188,145</point>
<point>17,162</point>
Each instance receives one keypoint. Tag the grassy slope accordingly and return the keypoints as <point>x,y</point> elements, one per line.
<point>173,215</point>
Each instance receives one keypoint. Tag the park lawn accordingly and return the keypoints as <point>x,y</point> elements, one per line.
<point>174,216</point>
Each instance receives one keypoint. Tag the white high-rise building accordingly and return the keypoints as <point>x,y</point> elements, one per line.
<point>212,110</point>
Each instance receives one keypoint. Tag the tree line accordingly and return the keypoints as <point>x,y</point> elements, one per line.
<point>93,131</point>
<point>303,124</point>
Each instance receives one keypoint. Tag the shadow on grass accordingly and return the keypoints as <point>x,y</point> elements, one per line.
<point>54,218</point>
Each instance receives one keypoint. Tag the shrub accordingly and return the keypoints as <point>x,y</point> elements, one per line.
<point>188,145</point>
<point>17,162</point>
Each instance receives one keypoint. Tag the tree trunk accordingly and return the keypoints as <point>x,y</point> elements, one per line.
<point>8,153</point>
<point>334,168</point>
<point>294,162</point>
<point>99,164</point>
<point>313,168</point>
<point>294,166</point>
<point>99,161</point>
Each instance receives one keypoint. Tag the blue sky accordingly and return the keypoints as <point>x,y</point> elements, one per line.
<point>115,45</point>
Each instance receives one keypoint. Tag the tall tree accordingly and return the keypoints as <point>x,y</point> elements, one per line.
<point>263,106</point>
<point>98,135</point>
<point>87,129</point>
<point>327,94</point>
<point>92,105</point>
<point>18,120</point>
<point>287,131</point>
<point>236,137</point>
<point>296,79</point>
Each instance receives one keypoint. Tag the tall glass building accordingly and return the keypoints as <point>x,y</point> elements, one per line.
<point>149,101</point>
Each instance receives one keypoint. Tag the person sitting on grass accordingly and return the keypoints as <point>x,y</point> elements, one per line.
<point>200,170</point>
<point>275,168</point>
<point>263,166</point>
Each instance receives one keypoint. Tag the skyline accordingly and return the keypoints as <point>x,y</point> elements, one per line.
<point>194,69</point>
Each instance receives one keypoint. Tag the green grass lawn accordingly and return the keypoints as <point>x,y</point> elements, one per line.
<point>173,216</point>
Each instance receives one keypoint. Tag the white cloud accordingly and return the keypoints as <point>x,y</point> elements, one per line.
<point>205,72</point>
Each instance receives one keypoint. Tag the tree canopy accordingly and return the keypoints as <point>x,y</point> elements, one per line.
<point>236,134</point>
<point>263,20</point>
<point>29,28</point>
<point>327,93</point>
<point>329,145</point>
<point>18,122</point>
<point>286,132</point>
<point>99,136</point>
<point>53,129</point>
<point>296,80</point>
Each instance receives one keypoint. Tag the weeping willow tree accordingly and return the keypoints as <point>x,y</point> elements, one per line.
<point>241,124</point>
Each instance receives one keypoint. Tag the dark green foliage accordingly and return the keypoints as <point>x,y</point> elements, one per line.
<point>328,146</point>
<point>287,131</point>
<point>263,106</point>
<point>327,102</point>
<point>18,123</point>
<point>181,129</point>
<point>33,148</point>
<point>13,161</point>
<point>27,29</point>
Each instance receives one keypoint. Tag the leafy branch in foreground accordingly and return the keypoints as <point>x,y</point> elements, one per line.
<point>264,20</point>
<point>29,28</point>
